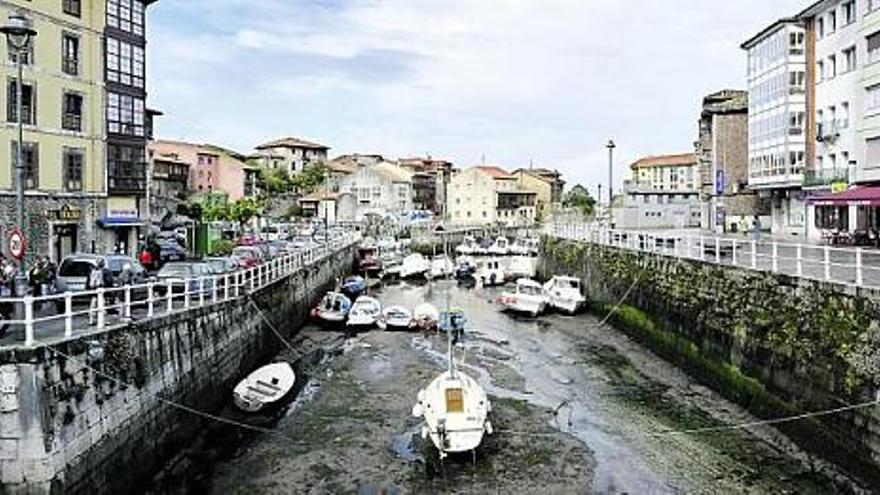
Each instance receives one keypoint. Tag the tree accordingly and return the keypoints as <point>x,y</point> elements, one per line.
<point>274,181</point>
<point>580,199</point>
<point>311,177</point>
<point>243,210</point>
<point>190,210</point>
<point>214,212</point>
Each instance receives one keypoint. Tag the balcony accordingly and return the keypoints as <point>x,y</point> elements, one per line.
<point>825,177</point>
<point>71,122</point>
<point>829,131</point>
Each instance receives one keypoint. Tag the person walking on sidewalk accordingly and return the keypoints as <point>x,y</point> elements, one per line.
<point>96,281</point>
<point>756,229</point>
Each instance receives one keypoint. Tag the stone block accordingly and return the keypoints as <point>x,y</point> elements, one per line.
<point>11,472</point>
<point>8,402</point>
<point>37,471</point>
<point>8,449</point>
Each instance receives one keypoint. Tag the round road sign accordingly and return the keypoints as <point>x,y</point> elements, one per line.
<point>17,244</point>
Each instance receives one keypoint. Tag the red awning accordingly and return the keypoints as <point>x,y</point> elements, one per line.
<point>859,195</point>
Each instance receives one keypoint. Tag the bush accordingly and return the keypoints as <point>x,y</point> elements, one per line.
<point>221,247</point>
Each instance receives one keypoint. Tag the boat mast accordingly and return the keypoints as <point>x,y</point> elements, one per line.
<point>450,329</point>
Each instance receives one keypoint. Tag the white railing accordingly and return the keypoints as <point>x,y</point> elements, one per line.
<point>64,314</point>
<point>854,267</point>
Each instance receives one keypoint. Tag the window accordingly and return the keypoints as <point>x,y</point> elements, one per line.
<point>72,7</point>
<point>849,12</point>
<point>73,169</point>
<point>874,46</point>
<point>71,119</point>
<point>796,43</point>
<point>832,66</point>
<point>820,70</point>
<point>844,158</point>
<point>30,155</point>
<point>28,57</point>
<point>872,157</point>
<point>125,115</point>
<point>820,27</point>
<point>126,15</point>
<point>796,82</point>
<point>872,101</point>
<point>29,103</point>
<point>832,21</point>
<point>125,63</point>
<point>126,167</point>
<point>70,54</point>
<point>844,115</point>
<point>849,56</point>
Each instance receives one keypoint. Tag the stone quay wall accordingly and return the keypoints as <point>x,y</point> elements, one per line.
<point>64,428</point>
<point>776,344</point>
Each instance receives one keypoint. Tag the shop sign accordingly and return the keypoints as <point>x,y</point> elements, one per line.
<point>837,187</point>
<point>65,214</point>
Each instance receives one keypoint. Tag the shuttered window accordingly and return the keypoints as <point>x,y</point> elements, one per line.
<point>872,158</point>
<point>874,47</point>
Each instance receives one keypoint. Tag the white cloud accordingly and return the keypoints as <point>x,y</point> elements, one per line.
<point>516,80</point>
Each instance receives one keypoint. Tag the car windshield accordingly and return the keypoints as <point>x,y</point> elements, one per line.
<point>567,284</point>
<point>218,266</point>
<point>75,268</point>
<point>176,270</point>
<point>243,252</point>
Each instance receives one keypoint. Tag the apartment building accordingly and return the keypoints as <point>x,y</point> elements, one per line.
<point>778,79</point>
<point>212,170</point>
<point>488,195</point>
<point>384,190</point>
<point>430,182</point>
<point>663,193</point>
<point>290,154</point>
<point>543,187</point>
<point>84,128</point>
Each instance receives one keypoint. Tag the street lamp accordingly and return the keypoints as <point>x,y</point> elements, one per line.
<point>19,34</point>
<point>610,147</point>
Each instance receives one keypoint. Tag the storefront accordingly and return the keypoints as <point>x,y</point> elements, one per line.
<point>64,231</point>
<point>855,211</point>
<point>123,221</point>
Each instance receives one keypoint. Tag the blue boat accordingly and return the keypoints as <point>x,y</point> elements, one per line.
<point>354,287</point>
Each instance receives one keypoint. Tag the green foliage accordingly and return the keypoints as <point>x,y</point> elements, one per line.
<point>222,247</point>
<point>191,210</point>
<point>311,177</point>
<point>245,209</point>
<point>274,181</point>
<point>294,210</point>
<point>215,212</point>
<point>581,199</point>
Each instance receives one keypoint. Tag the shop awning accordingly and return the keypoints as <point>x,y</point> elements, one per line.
<point>110,222</point>
<point>859,196</point>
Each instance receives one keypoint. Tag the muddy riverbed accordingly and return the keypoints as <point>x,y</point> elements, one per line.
<point>577,409</point>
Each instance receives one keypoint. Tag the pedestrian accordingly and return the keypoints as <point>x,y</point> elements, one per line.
<point>96,281</point>
<point>756,229</point>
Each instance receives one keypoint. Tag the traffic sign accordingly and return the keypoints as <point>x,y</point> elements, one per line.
<point>17,244</point>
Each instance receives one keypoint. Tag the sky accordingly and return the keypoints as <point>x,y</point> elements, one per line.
<point>512,83</point>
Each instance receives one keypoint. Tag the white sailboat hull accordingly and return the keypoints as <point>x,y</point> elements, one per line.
<point>455,409</point>
<point>264,387</point>
<point>520,303</point>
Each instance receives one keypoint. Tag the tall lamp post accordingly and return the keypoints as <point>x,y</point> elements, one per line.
<point>610,147</point>
<point>19,34</point>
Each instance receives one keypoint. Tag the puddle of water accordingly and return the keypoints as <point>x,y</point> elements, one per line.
<point>403,446</point>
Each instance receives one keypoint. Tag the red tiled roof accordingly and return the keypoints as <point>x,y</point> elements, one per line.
<point>681,159</point>
<point>495,172</point>
<point>292,142</point>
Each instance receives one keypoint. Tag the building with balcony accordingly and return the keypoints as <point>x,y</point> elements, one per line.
<point>212,170</point>
<point>430,183</point>
<point>488,195</point>
<point>663,193</point>
<point>290,154</point>
<point>544,185</point>
<point>384,190</point>
<point>169,185</point>
<point>722,151</point>
<point>779,130</point>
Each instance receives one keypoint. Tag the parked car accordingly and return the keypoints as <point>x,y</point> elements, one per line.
<point>184,275</point>
<point>73,276</point>
<point>247,256</point>
<point>222,265</point>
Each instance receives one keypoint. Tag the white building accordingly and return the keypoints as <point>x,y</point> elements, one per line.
<point>489,195</point>
<point>663,193</point>
<point>777,84</point>
<point>383,190</point>
<point>290,154</point>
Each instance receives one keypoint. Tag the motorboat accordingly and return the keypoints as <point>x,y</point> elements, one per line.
<point>455,408</point>
<point>490,272</point>
<point>391,270</point>
<point>353,287</point>
<point>500,247</point>
<point>387,244</point>
<point>264,387</point>
<point>565,294</point>
<point>465,268</point>
<point>364,312</point>
<point>333,308</point>
<point>529,297</point>
<point>414,265</point>
<point>441,266</point>
<point>468,246</point>
<point>367,261</point>
<point>521,267</point>
<point>426,316</point>
<point>395,318</point>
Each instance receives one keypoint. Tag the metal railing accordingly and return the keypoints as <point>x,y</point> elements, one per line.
<point>104,308</point>
<point>853,267</point>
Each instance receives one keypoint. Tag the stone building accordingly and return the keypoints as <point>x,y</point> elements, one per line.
<point>488,195</point>
<point>290,154</point>
<point>383,190</point>
<point>663,193</point>
<point>722,151</point>
<point>430,182</point>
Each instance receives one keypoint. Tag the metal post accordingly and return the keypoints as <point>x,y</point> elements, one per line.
<point>859,274</point>
<point>68,314</point>
<point>214,289</point>
<point>201,291</point>
<point>226,287</point>
<point>127,308</point>
<point>29,321</point>
<point>21,276</point>
<point>150,300</point>
<point>102,308</point>
<point>800,260</point>
<point>718,250</point>
<point>827,253</point>
<point>775,257</point>
<point>186,292</point>
<point>610,147</point>
<point>169,296</point>
<point>754,255</point>
<point>733,253</point>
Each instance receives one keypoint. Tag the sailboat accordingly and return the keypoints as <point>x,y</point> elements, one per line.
<point>454,406</point>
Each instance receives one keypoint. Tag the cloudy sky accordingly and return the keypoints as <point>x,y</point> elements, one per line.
<point>508,81</point>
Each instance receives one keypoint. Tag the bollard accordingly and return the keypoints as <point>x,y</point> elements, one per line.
<point>28,321</point>
<point>102,307</point>
<point>68,314</point>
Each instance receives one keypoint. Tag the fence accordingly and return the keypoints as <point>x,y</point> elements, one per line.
<point>93,308</point>
<point>855,267</point>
